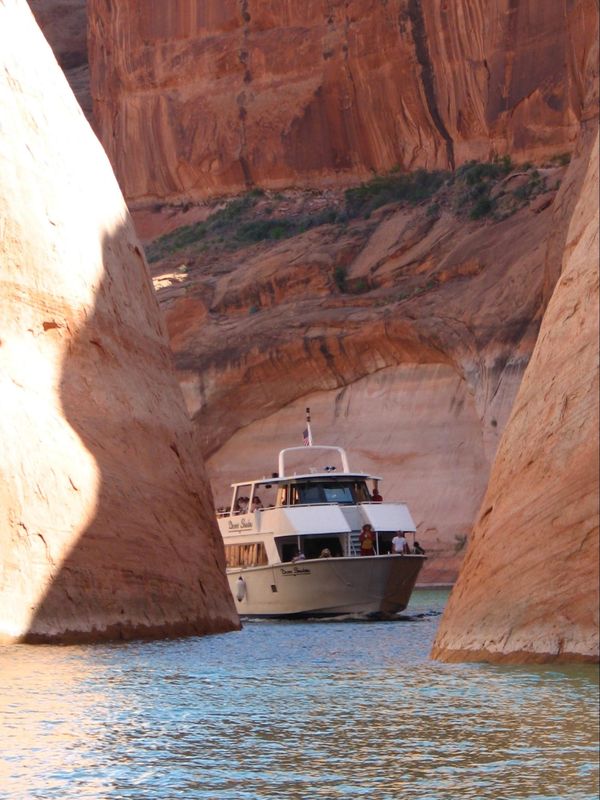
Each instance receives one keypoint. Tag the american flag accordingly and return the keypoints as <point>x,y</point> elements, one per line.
<point>306,437</point>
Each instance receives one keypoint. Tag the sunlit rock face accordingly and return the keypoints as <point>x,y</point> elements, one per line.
<point>200,99</point>
<point>105,516</point>
<point>528,588</point>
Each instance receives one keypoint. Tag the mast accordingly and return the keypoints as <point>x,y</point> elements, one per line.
<point>307,435</point>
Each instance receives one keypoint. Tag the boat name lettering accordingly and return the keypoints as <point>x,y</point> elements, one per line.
<point>240,525</point>
<point>295,571</point>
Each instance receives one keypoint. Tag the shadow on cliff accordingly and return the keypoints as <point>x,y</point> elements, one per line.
<point>145,564</point>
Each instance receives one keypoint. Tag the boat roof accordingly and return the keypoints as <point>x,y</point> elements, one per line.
<point>328,473</point>
<point>313,476</point>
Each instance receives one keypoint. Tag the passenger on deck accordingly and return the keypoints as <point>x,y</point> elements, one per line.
<point>367,540</point>
<point>399,544</point>
<point>376,497</point>
<point>418,549</point>
<point>256,503</point>
<point>325,553</point>
<point>298,556</point>
<point>243,505</point>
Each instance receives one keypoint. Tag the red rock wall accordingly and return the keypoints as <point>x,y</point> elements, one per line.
<point>64,24</point>
<point>528,588</point>
<point>416,377</point>
<point>194,99</point>
<point>106,519</point>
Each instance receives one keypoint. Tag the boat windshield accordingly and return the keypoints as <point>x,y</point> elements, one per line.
<point>344,492</point>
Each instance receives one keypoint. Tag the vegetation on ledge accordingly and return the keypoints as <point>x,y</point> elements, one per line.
<point>490,190</point>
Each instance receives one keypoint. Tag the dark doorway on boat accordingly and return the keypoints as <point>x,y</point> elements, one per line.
<point>313,547</point>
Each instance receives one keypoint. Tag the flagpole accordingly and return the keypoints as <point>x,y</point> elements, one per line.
<point>310,439</point>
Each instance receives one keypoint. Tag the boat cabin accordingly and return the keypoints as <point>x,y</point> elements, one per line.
<point>309,515</point>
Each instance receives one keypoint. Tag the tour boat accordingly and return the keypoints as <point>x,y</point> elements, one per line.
<point>292,543</point>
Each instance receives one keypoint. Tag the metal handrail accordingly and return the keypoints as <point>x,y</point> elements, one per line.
<point>340,450</point>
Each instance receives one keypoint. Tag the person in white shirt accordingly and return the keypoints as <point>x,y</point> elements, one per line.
<point>399,544</point>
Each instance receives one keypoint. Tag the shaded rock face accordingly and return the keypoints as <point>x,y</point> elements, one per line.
<point>215,97</point>
<point>64,24</point>
<point>106,520</point>
<point>537,534</point>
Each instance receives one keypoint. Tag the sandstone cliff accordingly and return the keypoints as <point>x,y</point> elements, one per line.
<point>407,331</point>
<point>201,99</point>
<point>106,523</point>
<point>64,24</point>
<point>537,534</point>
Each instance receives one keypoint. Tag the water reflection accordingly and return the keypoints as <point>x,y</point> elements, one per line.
<point>293,710</point>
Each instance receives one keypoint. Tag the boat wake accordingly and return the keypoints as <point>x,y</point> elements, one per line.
<point>368,618</point>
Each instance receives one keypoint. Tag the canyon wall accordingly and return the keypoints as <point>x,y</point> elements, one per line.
<point>537,533</point>
<point>106,520</point>
<point>64,24</point>
<point>193,100</point>
<point>415,373</point>
<point>415,365</point>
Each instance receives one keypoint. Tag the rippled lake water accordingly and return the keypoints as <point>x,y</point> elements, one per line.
<point>338,709</point>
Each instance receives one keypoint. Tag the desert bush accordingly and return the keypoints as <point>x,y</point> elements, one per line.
<point>561,159</point>
<point>482,207</point>
<point>176,240</point>
<point>477,172</point>
<point>534,186</point>
<point>412,187</point>
<point>339,277</point>
<point>257,230</point>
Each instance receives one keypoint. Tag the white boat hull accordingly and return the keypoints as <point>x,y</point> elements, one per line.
<point>326,587</point>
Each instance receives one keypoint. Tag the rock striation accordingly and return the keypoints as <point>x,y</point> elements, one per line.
<point>217,97</point>
<point>106,519</point>
<point>537,533</point>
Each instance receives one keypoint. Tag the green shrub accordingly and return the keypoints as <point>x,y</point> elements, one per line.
<point>561,159</point>
<point>339,277</point>
<point>176,240</point>
<point>258,230</point>
<point>534,186</point>
<point>412,187</point>
<point>356,286</point>
<point>232,212</point>
<point>482,207</point>
<point>476,172</point>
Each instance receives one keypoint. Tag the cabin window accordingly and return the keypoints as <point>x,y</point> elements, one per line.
<point>320,491</point>
<point>245,555</point>
<point>338,494</point>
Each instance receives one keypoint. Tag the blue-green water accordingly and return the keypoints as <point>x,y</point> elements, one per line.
<point>293,710</point>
